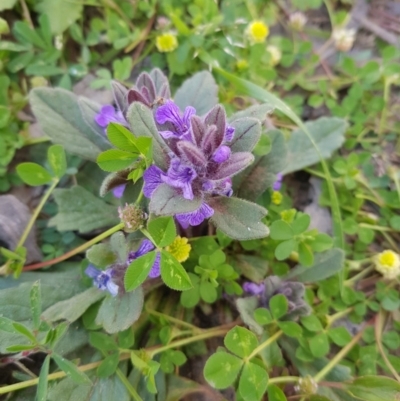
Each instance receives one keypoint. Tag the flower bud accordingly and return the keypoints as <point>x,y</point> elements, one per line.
<point>297,20</point>
<point>132,216</point>
<point>344,39</point>
<point>257,31</point>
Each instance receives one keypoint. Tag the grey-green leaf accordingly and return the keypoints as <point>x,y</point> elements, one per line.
<point>80,210</point>
<point>60,117</point>
<point>327,132</point>
<point>118,313</point>
<point>71,369</point>
<point>166,201</point>
<point>260,175</point>
<point>199,91</point>
<point>41,394</point>
<point>238,218</point>
<point>247,134</point>
<point>73,308</point>
<point>325,265</point>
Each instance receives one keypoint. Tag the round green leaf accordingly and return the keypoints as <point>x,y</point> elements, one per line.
<point>253,382</point>
<point>306,256</point>
<point>138,270</point>
<point>173,273</point>
<point>319,345</point>
<point>33,174</point>
<point>284,249</point>
<point>221,369</point>
<point>241,341</point>
<point>71,369</point>
<point>301,224</point>
<point>162,230</point>
<point>280,230</point>
<point>57,160</point>
<point>291,329</point>
<point>208,292</point>
<point>275,393</point>
<point>278,306</point>
<point>121,138</point>
<point>108,366</point>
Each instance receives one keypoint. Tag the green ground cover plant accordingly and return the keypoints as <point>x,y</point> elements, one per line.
<point>214,188</point>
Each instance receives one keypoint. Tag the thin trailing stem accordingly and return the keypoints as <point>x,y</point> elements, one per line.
<point>77,250</point>
<point>128,386</point>
<point>265,344</point>
<point>338,357</point>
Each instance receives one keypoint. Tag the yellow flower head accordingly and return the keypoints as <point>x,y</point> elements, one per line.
<point>257,31</point>
<point>388,264</point>
<point>275,53</point>
<point>242,64</point>
<point>179,249</point>
<point>276,198</point>
<point>166,42</point>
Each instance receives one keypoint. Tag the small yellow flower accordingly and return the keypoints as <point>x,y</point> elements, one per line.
<point>288,215</point>
<point>242,64</point>
<point>179,248</point>
<point>166,42</point>
<point>257,31</point>
<point>275,53</point>
<point>276,198</point>
<point>388,264</point>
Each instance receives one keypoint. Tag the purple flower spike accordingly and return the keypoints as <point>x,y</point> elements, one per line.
<point>145,247</point>
<point>195,218</point>
<point>170,113</point>
<point>253,288</point>
<point>109,115</point>
<point>119,191</point>
<point>222,154</point>
<point>278,183</point>
<point>180,176</point>
<point>102,279</point>
<point>201,163</point>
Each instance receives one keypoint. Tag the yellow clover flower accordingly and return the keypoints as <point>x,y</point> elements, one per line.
<point>166,42</point>
<point>276,198</point>
<point>179,249</point>
<point>388,264</point>
<point>257,31</point>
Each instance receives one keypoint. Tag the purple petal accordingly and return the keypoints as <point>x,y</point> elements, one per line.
<point>222,154</point>
<point>92,271</point>
<point>168,112</point>
<point>169,134</point>
<point>119,191</point>
<point>112,288</point>
<point>152,179</point>
<point>278,183</point>
<point>155,270</point>
<point>108,115</point>
<point>195,218</point>
<point>180,176</point>
<point>145,247</point>
<point>189,112</point>
<point>229,133</point>
<point>253,288</point>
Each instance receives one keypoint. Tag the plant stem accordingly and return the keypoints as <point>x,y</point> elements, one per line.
<point>174,320</point>
<point>77,250</point>
<point>362,274</point>
<point>284,379</point>
<point>35,214</point>
<point>338,357</point>
<point>128,386</point>
<point>386,95</point>
<point>338,315</point>
<point>202,336</point>
<point>265,344</point>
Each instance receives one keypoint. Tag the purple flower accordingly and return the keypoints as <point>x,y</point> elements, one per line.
<point>253,288</point>
<point>195,218</point>
<point>170,114</point>
<point>145,247</point>
<point>119,191</point>
<point>202,163</point>
<point>109,115</point>
<point>278,183</point>
<point>102,279</point>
